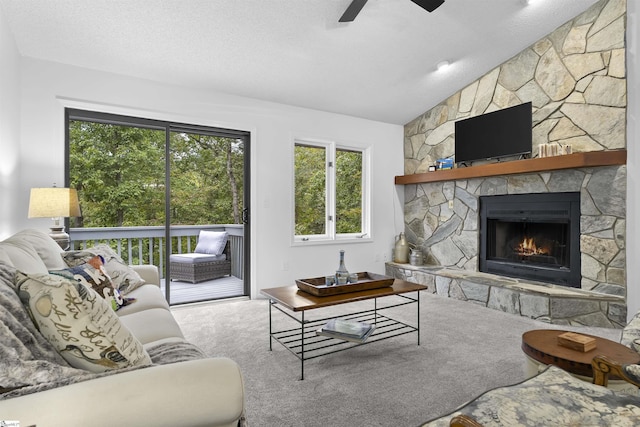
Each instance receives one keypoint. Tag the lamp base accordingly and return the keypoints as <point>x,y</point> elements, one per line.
<point>61,238</point>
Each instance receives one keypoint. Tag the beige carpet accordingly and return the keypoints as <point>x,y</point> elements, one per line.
<point>465,350</point>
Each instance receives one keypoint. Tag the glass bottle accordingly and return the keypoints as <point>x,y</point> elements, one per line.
<point>401,252</point>
<point>342,274</point>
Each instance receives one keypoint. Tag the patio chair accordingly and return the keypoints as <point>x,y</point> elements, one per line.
<point>209,261</point>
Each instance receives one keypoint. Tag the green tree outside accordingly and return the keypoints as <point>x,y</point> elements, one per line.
<point>119,172</point>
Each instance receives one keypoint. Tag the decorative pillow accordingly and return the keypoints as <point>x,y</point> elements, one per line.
<point>79,324</point>
<point>93,274</point>
<point>211,242</point>
<point>124,278</point>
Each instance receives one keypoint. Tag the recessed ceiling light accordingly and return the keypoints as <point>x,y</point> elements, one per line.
<point>442,65</point>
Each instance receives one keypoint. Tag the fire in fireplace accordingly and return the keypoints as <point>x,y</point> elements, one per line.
<point>531,236</point>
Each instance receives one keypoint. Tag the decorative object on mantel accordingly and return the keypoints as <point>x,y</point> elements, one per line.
<point>550,150</point>
<point>444,164</point>
<point>55,203</point>
<point>401,250</point>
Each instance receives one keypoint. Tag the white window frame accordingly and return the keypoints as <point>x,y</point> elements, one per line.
<point>331,236</point>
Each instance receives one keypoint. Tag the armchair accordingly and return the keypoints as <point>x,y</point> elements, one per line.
<point>553,397</point>
<point>210,260</point>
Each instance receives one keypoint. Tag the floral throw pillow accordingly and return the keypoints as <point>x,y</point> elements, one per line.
<point>79,324</point>
<point>124,278</point>
<point>93,274</point>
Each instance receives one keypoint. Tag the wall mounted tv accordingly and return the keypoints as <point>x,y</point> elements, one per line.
<point>501,133</point>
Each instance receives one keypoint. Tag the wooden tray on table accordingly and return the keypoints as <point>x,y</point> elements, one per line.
<point>316,286</point>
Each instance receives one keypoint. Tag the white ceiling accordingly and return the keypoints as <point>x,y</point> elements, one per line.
<point>382,66</point>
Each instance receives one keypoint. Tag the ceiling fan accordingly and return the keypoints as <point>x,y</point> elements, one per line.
<point>356,6</point>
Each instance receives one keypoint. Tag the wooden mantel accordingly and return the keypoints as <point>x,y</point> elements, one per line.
<point>568,161</point>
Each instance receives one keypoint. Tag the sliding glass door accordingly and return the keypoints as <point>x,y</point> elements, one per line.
<point>149,188</point>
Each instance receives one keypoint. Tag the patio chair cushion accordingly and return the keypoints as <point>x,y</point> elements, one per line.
<point>196,258</point>
<point>211,242</point>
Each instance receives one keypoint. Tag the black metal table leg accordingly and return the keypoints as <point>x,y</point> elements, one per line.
<point>418,321</point>
<point>270,327</point>
<point>302,348</point>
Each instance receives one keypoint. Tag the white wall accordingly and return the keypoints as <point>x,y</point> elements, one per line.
<point>633,157</point>
<point>48,87</point>
<point>9,126</point>
<point>40,158</point>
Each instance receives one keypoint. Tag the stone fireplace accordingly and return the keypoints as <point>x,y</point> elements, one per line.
<point>442,218</point>
<point>575,78</point>
<point>531,236</point>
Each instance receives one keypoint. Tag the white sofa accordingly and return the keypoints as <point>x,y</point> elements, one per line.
<point>194,391</point>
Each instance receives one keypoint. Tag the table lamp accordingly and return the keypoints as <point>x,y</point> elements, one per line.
<point>55,203</point>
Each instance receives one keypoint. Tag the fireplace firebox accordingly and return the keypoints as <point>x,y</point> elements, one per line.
<point>531,236</point>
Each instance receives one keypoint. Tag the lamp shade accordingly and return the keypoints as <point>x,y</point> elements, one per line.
<point>53,203</point>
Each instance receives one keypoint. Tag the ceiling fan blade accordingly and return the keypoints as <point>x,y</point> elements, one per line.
<point>352,11</point>
<point>429,5</point>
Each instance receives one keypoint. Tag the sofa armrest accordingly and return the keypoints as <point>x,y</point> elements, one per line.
<point>603,367</point>
<point>464,421</point>
<point>199,392</point>
<point>149,273</point>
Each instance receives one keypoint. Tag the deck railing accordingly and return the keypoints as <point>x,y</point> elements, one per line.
<point>146,245</point>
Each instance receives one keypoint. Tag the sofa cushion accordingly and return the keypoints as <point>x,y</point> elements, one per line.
<point>46,248</point>
<point>123,276</point>
<point>22,255</point>
<point>211,242</point>
<point>146,296</point>
<point>152,325</point>
<point>79,324</point>
<point>196,258</point>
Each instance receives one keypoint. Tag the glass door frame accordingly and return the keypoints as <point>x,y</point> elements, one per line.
<point>168,127</point>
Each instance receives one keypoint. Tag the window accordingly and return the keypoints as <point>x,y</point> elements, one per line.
<point>331,194</point>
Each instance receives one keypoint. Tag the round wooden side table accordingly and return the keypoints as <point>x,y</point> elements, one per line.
<point>541,347</point>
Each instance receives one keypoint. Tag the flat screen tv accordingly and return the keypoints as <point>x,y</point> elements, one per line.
<point>501,133</point>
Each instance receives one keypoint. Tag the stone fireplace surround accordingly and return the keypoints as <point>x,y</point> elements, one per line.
<point>441,218</point>
<point>575,78</point>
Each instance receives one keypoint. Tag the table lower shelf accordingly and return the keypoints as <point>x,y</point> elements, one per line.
<point>306,344</point>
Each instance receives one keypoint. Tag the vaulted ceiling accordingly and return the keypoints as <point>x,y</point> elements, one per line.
<point>382,66</point>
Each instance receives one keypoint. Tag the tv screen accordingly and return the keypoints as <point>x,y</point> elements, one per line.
<point>501,133</point>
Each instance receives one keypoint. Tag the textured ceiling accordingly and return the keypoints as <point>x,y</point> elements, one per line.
<point>382,66</point>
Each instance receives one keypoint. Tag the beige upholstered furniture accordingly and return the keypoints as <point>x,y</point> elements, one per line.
<point>182,386</point>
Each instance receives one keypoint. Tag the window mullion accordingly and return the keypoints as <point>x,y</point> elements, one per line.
<point>331,191</point>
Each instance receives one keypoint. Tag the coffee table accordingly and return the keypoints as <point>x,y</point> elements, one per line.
<point>303,341</point>
<point>541,345</point>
